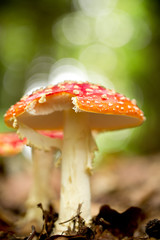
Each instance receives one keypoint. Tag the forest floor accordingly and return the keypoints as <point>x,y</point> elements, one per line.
<point>125,199</point>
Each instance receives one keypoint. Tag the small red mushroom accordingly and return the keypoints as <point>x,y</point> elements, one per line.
<point>77,108</point>
<point>10,144</point>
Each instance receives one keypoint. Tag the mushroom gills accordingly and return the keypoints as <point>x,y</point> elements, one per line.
<point>38,140</point>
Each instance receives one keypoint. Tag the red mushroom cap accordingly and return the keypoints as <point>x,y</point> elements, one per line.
<point>107,109</point>
<point>10,144</point>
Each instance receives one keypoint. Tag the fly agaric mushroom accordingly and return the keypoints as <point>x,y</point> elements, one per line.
<point>10,144</point>
<point>42,158</point>
<point>76,108</point>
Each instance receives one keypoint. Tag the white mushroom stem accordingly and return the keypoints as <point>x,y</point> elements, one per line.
<point>76,161</point>
<point>41,190</point>
<point>43,148</point>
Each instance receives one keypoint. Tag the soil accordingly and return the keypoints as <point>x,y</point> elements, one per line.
<point>125,203</point>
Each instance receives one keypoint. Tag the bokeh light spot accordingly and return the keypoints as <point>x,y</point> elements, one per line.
<point>73,29</point>
<point>142,35</point>
<point>99,57</point>
<point>77,28</point>
<point>37,74</point>
<point>94,8</point>
<point>35,82</point>
<point>115,29</point>
<point>67,69</point>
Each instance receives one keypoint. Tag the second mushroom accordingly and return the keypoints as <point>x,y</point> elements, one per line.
<point>44,146</point>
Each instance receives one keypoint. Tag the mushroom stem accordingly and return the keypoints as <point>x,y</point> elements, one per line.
<point>40,190</point>
<point>75,178</point>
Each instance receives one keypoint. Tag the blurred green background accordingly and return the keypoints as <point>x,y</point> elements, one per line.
<point>114,43</point>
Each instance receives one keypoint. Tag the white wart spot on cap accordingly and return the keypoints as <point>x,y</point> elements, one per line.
<point>15,122</point>
<point>76,92</point>
<point>47,91</point>
<point>122,98</point>
<point>62,87</point>
<point>136,108</point>
<point>69,82</point>
<point>111,92</point>
<point>20,106</point>
<point>104,96</point>
<point>76,86</point>
<point>110,104</point>
<point>88,93</point>
<point>89,90</point>
<point>43,98</point>
<point>120,102</point>
<point>94,86</point>
<point>30,108</point>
